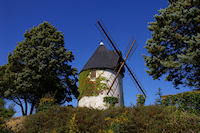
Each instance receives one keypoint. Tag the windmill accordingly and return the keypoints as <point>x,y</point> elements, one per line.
<point>100,80</point>
<point>138,84</point>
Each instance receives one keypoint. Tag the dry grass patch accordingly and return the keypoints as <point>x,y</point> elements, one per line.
<point>16,123</point>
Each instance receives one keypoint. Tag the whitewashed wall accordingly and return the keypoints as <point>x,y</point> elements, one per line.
<point>116,91</point>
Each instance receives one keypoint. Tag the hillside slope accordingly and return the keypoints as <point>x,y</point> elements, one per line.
<point>131,119</point>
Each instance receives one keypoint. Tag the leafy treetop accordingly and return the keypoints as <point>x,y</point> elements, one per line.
<point>39,66</point>
<point>175,44</point>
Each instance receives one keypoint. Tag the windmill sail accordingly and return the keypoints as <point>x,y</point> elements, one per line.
<point>118,52</point>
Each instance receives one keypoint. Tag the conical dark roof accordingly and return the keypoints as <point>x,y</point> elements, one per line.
<point>103,59</point>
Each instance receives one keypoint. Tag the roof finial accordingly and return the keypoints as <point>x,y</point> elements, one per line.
<point>101,43</point>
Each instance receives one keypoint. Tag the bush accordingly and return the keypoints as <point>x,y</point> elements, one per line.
<point>187,101</point>
<point>46,103</point>
<point>131,119</point>
<point>5,114</point>
<point>140,100</point>
<point>55,118</point>
<point>111,100</point>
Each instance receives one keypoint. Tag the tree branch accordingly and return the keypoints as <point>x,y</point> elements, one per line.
<point>14,101</point>
<point>21,105</point>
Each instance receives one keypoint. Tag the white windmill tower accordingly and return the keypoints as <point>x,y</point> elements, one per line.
<point>96,77</point>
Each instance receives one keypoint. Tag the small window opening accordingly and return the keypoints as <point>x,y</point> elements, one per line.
<point>93,74</point>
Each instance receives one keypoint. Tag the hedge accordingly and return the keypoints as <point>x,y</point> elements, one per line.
<point>187,101</point>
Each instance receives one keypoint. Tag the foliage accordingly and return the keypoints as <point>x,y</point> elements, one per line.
<point>114,124</point>
<point>6,113</point>
<point>154,119</point>
<point>140,100</point>
<point>15,124</point>
<point>55,119</point>
<point>38,66</point>
<point>73,125</point>
<point>187,101</point>
<point>175,44</point>
<point>46,103</point>
<point>3,127</point>
<point>111,100</point>
<point>88,87</point>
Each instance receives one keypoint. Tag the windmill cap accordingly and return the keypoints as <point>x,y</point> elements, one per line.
<point>103,58</point>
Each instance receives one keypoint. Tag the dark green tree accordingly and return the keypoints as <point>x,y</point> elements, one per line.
<point>39,66</point>
<point>174,49</point>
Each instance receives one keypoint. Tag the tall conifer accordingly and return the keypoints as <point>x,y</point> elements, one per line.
<point>174,49</point>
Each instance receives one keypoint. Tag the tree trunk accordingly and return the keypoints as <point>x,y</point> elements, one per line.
<point>26,106</point>
<point>36,107</point>
<point>32,107</point>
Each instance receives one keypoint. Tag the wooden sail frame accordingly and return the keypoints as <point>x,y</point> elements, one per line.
<point>124,63</point>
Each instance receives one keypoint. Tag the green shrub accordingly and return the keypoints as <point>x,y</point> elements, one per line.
<point>154,119</point>
<point>140,100</point>
<point>5,114</point>
<point>55,118</point>
<point>187,101</point>
<point>111,100</point>
<point>46,103</point>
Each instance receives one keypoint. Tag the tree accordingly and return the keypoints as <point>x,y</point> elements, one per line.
<point>39,66</point>
<point>175,44</point>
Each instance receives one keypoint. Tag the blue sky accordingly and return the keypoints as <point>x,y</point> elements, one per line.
<point>77,19</point>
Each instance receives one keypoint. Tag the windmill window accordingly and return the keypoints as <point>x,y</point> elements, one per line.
<point>93,74</point>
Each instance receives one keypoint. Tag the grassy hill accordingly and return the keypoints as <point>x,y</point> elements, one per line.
<point>152,119</point>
